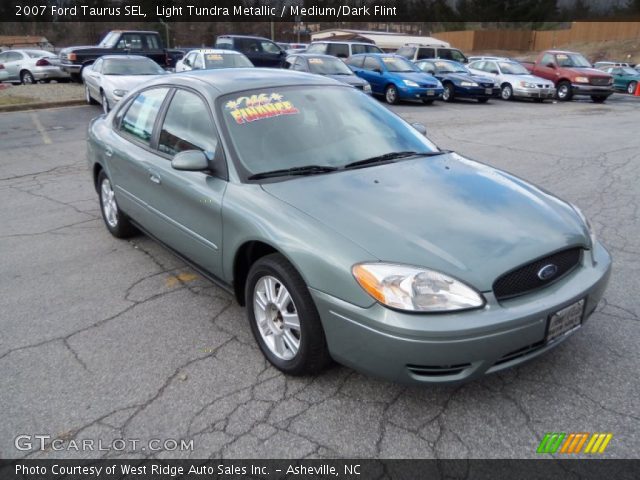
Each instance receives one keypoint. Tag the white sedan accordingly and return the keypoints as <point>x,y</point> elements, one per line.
<point>112,76</point>
<point>212,58</point>
<point>514,79</point>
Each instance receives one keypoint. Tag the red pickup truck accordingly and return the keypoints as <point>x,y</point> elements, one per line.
<point>572,75</point>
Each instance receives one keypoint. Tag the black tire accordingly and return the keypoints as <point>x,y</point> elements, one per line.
<point>538,100</point>
<point>123,227</point>
<point>448,94</point>
<point>631,88</point>
<point>564,93</point>
<point>598,99</point>
<point>391,94</point>
<point>48,80</point>
<point>313,355</point>
<point>506,92</point>
<point>428,101</point>
<point>26,78</point>
<point>483,100</point>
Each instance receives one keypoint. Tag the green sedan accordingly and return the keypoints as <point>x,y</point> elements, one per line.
<point>345,232</point>
<point>624,78</point>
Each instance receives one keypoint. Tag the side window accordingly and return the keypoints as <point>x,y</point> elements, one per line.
<point>152,42</point>
<point>225,43</point>
<point>357,48</point>
<point>458,56</point>
<point>198,62</point>
<point>372,49</point>
<point>355,62</point>
<point>317,48</point>
<point>130,41</point>
<point>406,52</point>
<point>547,58</point>
<point>340,50</point>
<point>141,115</point>
<point>269,47</point>
<point>187,126</point>
<point>300,65</point>
<point>426,53</point>
<point>247,45</point>
<point>14,56</point>
<point>445,54</point>
<point>97,65</point>
<point>370,63</point>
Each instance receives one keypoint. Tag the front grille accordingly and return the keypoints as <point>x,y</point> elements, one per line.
<point>360,87</point>
<point>525,278</point>
<point>521,352</point>
<point>487,85</point>
<point>599,81</point>
<point>437,370</point>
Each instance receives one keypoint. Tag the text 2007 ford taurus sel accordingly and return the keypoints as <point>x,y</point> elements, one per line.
<point>345,232</point>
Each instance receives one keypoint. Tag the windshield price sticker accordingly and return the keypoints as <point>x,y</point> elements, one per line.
<point>258,107</point>
<point>214,57</point>
<point>316,60</point>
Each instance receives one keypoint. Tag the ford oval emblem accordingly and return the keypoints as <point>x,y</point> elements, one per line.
<point>547,272</point>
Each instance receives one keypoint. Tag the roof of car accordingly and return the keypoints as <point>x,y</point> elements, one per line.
<point>129,57</point>
<point>239,79</point>
<point>354,42</point>
<point>373,54</point>
<point>314,55</point>
<point>219,51</point>
<point>242,36</point>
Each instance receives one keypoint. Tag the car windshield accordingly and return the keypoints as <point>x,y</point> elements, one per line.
<point>574,60</point>
<point>513,68</point>
<point>328,66</point>
<point>110,40</point>
<point>227,60</point>
<point>130,66</point>
<point>450,67</point>
<point>397,64</point>
<point>328,127</point>
<point>39,53</point>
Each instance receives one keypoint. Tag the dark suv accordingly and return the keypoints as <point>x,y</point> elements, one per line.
<point>261,51</point>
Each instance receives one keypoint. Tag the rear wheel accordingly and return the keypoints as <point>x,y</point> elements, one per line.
<point>596,99</point>
<point>506,92</point>
<point>538,100</point>
<point>631,88</point>
<point>447,94</point>
<point>26,78</point>
<point>115,220</point>
<point>391,95</point>
<point>564,91</point>
<point>283,318</point>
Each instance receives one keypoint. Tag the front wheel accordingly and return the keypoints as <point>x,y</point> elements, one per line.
<point>447,94</point>
<point>506,92</point>
<point>391,95</point>
<point>631,88</point>
<point>283,318</point>
<point>564,93</point>
<point>115,220</point>
<point>596,99</point>
<point>26,78</point>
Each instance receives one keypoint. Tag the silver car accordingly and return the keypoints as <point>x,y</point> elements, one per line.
<point>30,66</point>
<point>514,79</point>
<point>112,76</point>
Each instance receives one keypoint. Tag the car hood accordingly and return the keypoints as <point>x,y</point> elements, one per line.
<point>526,78</point>
<point>446,213</point>
<point>593,72</point>
<point>125,82</point>
<point>349,79</point>
<point>465,77</point>
<point>422,78</point>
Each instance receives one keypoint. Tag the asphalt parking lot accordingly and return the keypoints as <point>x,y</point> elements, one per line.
<point>104,338</point>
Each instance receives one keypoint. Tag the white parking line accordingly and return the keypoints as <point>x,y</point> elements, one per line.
<point>36,121</point>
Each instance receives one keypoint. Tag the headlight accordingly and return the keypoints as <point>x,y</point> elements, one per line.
<point>410,83</point>
<point>582,80</point>
<point>415,289</point>
<point>367,88</point>
<point>587,223</point>
<point>119,93</point>
<point>527,85</point>
<point>468,84</point>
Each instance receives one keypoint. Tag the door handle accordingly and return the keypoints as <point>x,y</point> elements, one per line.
<point>154,177</point>
<point>108,152</point>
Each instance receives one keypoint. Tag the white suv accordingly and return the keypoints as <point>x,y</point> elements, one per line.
<point>342,49</point>
<point>415,52</point>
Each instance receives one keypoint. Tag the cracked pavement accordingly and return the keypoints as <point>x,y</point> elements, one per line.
<point>105,339</point>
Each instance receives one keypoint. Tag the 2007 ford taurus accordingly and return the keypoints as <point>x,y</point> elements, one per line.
<point>346,233</point>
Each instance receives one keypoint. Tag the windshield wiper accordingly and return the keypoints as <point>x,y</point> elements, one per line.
<point>389,157</point>
<point>305,170</point>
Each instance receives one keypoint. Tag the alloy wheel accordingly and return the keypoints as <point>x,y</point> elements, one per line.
<point>276,317</point>
<point>391,95</point>
<point>109,205</point>
<point>27,78</point>
<point>506,92</point>
<point>631,88</point>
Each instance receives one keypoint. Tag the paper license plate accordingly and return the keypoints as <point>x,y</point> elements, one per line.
<point>430,93</point>
<point>564,321</point>
<point>488,91</point>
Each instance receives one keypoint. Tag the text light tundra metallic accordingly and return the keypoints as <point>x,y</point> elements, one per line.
<point>345,232</point>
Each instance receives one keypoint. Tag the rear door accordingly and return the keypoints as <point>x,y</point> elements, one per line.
<point>13,64</point>
<point>189,203</point>
<point>92,78</point>
<point>543,70</point>
<point>371,72</point>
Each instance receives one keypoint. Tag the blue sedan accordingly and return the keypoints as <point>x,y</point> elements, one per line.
<point>395,78</point>
<point>458,81</point>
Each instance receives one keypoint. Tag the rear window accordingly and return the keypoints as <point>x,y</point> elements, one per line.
<point>141,115</point>
<point>225,43</point>
<point>229,60</point>
<point>406,52</point>
<point>340,50</point>
<point>317,48</point>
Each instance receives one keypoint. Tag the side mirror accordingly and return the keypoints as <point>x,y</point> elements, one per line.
<point>551,65</point>
<point>420,128</point>
<point>495,72</point>
<point>190,161</point>
<point>377,70</point>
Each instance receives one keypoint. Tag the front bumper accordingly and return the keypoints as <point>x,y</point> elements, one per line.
<point>476,92</point>
<point>419,93</point>
<point>534,92</point>
<point>456,347</point>
<point>589,90</point>
<point>70,68</point>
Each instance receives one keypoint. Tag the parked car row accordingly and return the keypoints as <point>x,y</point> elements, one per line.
<point>30,66</point>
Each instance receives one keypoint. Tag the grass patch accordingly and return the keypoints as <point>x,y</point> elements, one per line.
<point>15,100</point>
